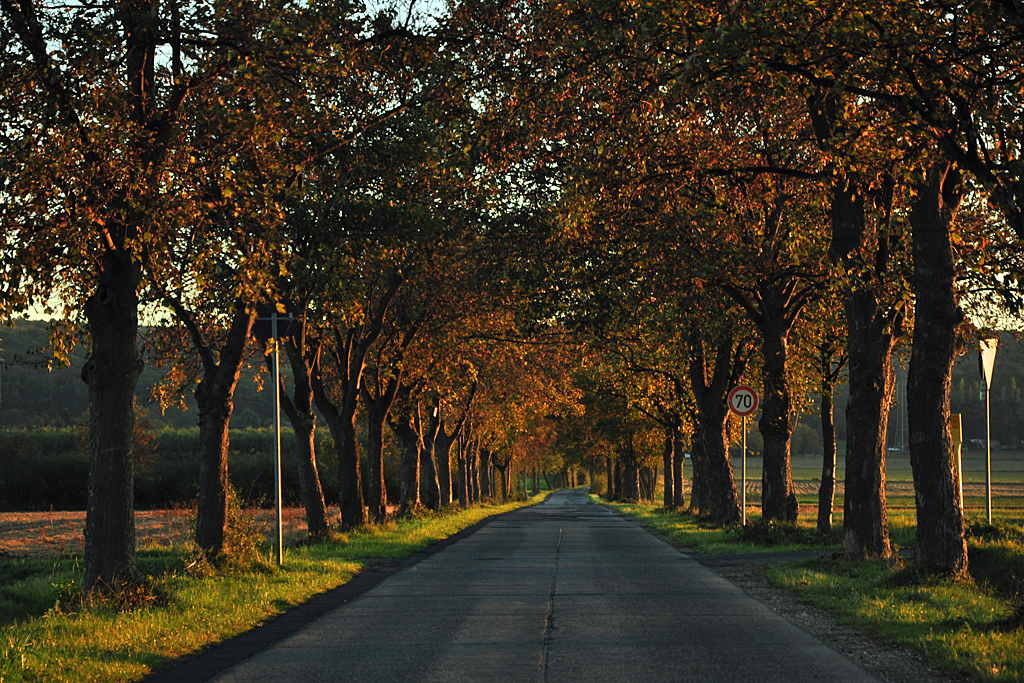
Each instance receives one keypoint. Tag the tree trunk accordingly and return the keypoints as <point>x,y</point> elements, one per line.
<point>341,421</point>
<point>873,325</point>
<point>778,495</point>
<point>401,422</point>
<point>872,331</point>
<point>463,465</point>
<point>591,471</point>
<point>485,474</point>
<point>648,481</point>
<point>112,372</point>
<point>666,463</point>
<point>299,410</point>
<point>610,476</point>
<point>473,464</point>
<point>940,545</point>
<point>865,521</point>
<point>378,409</point>
<point>501,478</point>
<point>827,489</point>
<point>721,503</point>
<point>376,492</point>
<point>620,493</point>
<point>215,399</point>
<point>630,476</point>
<point>716,496</point>
<point>443,458</point>
<point>463,491</point>
<point>678,458</point>
<point>430,489</point>
<point>699,498</point>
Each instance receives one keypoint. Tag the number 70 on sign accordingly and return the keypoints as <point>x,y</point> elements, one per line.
<point>742,400</point>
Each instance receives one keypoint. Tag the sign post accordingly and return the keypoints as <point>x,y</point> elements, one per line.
<point>276,313</point>
<point>743,401</point>
<point>987,359</point>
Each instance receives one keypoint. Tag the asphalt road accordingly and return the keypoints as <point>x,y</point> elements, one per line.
<point>563,591</point>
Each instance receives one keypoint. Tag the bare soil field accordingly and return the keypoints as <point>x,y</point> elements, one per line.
<point>38,535</point>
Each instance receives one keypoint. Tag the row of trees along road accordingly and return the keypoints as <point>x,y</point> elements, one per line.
<point>519,231</point>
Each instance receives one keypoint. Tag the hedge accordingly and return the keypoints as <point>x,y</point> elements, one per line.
<point>50,467</point>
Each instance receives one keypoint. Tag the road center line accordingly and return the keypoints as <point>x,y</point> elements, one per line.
<point>549,622</point>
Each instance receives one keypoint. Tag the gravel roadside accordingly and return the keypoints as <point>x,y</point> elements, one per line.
<point>892,663</point>
<point>889,662</point>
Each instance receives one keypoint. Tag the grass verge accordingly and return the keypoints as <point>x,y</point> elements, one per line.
<point>45,637</point>
<point>697,534</point>
<point>974,627</point>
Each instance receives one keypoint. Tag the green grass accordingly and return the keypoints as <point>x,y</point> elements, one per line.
<point>974,627</point>
<point>694,533</point>
<point>44,637</point>
<point>960,626</point>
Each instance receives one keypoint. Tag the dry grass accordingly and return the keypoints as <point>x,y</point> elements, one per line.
<point>41,535</point>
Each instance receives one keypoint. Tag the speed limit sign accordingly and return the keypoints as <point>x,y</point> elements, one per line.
<point>742,400</point>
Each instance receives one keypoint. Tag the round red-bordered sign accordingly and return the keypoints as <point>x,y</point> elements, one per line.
<point>742,400</point>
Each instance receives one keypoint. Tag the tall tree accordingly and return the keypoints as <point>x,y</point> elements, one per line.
<point>89,109</point>
<point>940,544</point>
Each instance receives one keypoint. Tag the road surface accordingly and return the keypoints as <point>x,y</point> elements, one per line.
<point>560,592</point>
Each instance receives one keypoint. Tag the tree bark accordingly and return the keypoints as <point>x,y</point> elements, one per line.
<point>430,489</point>
<point>378,408</point>
<point>485,474</point>
<point>341,421</point>
<point>215,399</point>
<point>501,469</point>
<point>462,459</point>
<point>630,473</point>
<point>610,476</point>
<point>778,495</point>
<point>647,480</point>
<point>940,545</point>
<point>872,331</point>
<point>699,498</point>
<point>112,372</point>
<point>401,421</point>
<point>443,457</point>
<point>873,326</point>
<point>620,493</point>
<point>299,410</point>
<point>827,488</point>
<point>717,497</point>
<point>678,458</point>
<point>376,492</point>
<point>473,463</point>
<point>666,463</point>
<point>865,521</point>
<point>351,347</point>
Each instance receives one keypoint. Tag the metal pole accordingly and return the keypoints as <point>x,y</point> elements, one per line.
<point>960,469</point>
<point>744,471</point>
<point>988,455</point>
<point>278,545</point>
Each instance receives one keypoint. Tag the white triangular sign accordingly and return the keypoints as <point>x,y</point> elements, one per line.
<point>988,358</point>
